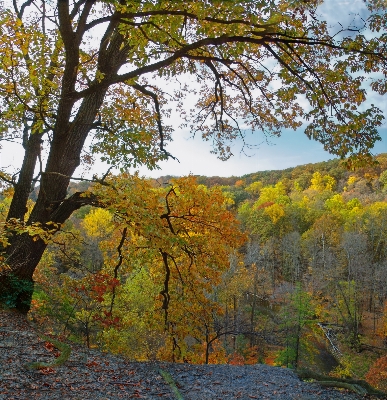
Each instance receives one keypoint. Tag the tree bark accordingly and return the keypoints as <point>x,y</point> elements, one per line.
<point>18,207</point>
<point>357,386</point>
<point>25,252</point>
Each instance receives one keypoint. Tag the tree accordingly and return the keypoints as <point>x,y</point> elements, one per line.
<point>297,314</point>
<point>292,258</point>
<point>62,83</point>
<point>376,376</point>
<point>164,252</point>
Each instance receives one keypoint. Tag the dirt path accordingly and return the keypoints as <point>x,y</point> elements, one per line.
<point>89,374</point>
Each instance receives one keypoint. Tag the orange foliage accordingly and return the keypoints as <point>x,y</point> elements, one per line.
<point>236,359</point>
<point>377,374</point>
<point>251,355</point>
<point>217,354</point>
<point>188,234</point>
<point>97,286</point>
<point>270,359</point>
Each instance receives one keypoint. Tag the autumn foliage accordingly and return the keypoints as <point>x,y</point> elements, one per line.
<point>177,239</point>
<point>163,271</point>
<point>377,375</point>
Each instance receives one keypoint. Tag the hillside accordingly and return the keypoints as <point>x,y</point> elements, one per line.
<point>332,167</point>
<point>284,268</point>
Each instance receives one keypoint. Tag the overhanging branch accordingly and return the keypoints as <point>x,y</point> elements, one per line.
<point>155,99</point>
<point>73,203</point>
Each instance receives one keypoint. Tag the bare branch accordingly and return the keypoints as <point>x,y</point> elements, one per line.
<point>121,17</point>
<point>165,291</point>
<point>83,18</point>
<point>22,8</point>
<point>76,8</point>
<point>153,95</point>
<point>118,265</point>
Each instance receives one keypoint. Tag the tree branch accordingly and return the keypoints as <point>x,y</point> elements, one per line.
<point>71,204</point>
<point>121,17</point>
<point>118,265</point>
<point>165,291</point>
<point>153,95</point>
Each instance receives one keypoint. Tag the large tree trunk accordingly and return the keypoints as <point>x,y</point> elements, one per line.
<point>18,206</point>
<point>25,252</point>
<point>17,286</point>
<point>68,137</point>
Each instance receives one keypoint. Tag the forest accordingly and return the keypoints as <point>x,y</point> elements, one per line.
<point>285,267</point>
<point>280,267</point>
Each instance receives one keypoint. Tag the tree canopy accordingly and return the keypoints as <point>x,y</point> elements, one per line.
<point>160,272</point>
<point>72,71</point>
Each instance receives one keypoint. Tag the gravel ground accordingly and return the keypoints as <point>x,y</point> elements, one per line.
<point>226,382</point>
<point>89,374</point>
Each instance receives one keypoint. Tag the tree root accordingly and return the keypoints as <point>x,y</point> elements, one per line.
<point>65,351</point>
<point>350,386</point>
<point>357,386</point>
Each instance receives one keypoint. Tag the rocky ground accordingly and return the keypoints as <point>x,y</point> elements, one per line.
<point>89,374</point>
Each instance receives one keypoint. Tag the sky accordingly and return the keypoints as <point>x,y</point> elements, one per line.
<point>291,149</point>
